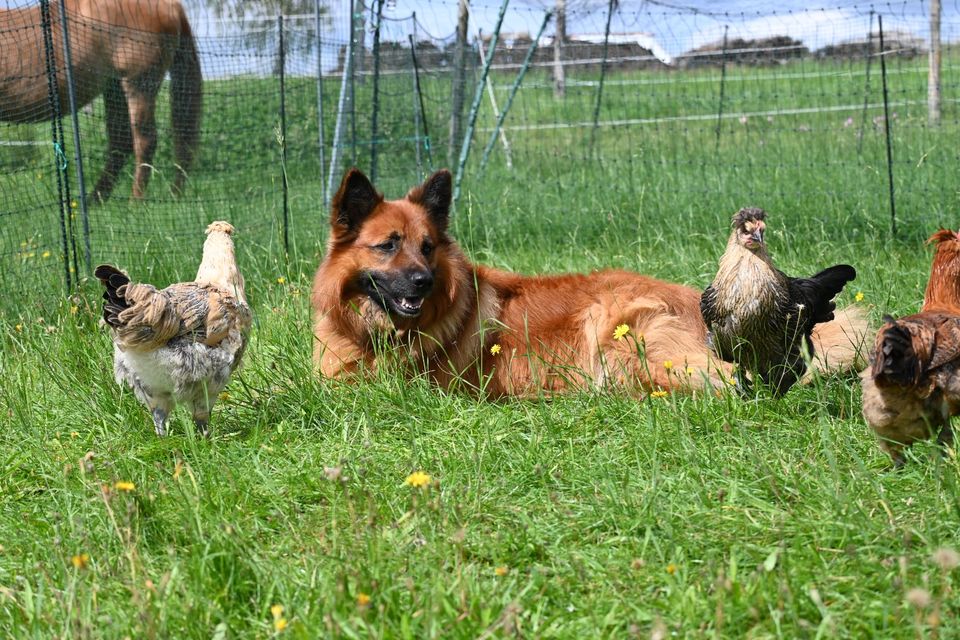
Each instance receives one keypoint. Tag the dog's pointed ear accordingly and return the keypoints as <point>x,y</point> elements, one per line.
<point>354,201</point>
<point>434,195</point>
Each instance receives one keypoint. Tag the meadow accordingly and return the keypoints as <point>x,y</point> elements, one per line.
<point>593,515</point>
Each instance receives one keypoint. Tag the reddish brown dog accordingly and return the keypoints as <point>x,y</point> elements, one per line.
<point>394,284</point>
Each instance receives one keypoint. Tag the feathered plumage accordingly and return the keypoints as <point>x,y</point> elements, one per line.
<point>912,387</point>
<point>179,344</point>
<point>759,317</point>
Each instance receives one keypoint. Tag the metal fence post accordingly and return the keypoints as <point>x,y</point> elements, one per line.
<point>477,98</point>
<point>283,137</point>
<point>77,155</point>
<point>320,123</point>
<point>723,83</point>
<point>340,126</point>
<point>603,73</point>
<point>886,127</point>
<point>376,94</point>
<point>513,92</point>
<point>60,160</point>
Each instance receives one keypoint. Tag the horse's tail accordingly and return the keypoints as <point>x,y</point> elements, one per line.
<point>186,97</point>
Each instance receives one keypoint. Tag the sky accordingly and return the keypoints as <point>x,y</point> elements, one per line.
<point>675,25</point>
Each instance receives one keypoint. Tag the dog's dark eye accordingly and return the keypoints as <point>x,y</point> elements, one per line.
<point>386,247</point>
<point>426,249</point>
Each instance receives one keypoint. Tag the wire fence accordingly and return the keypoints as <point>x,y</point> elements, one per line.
<point>826,109</point>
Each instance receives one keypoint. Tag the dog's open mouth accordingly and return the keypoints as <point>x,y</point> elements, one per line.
<point>408,306</point>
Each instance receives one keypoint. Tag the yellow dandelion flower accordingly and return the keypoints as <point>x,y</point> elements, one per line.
<point>501,571</point>
<point>671,568</point>
<point>620,331</point>
<point>74,434</point>
<point>363,599</point>
<point>418,479</point>
<point>45,254</point>
<point>124,485</point>
<point>668,364</point>
<point>279,624</point>
<point>276,611</point>
<point>281,280</point>
<point>495,349</point>
<point>224,396</point>
<point>18,327</point>
<point>731,381</point>
<point>659,393</point>
<point>73,204</point>
<point>689,371</point>
<point>80,561</point>
<point>74,309</point>
<point>859,296</point>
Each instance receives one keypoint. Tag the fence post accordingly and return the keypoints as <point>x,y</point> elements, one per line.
<point>60,161</point>
<point>419,98</point>
<point>496,109</point>
<point>78,158</point>
<point>283,137</point>
<point>475,105</point>
<point>723,83</point>
<point>513,92</point>
<point>560,34</point>
<point>322,142</point>
<point>603,74</point>
<point>866,87</point>
<point>338,128</point>
<point>376,94</point>
<point>886,126</point>
<point>459,79</point>
<point>933,75</point>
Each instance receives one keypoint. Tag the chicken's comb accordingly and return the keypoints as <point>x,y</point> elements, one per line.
<point>943,235</point>
<point>748,214</point>
<point>220,225</point>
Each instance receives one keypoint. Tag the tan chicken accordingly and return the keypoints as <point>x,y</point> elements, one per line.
<point>912,387</point>
<point>180,344</point>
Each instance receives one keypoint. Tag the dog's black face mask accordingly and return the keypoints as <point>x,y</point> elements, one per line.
<point>399,293</point>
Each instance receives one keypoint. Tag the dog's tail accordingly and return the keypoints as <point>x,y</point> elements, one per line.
<point>841,344</point>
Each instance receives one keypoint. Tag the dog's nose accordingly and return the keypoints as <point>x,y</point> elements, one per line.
<point>421,280</point>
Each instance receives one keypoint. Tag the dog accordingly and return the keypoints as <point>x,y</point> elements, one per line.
<point>394,286</point>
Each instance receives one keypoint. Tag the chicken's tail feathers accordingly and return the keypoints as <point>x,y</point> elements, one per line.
<point>840,344</point>
<point>895,359</point>
<point>142,317</point>
<point>834,278</point>
<point>113,299</point>
<point>824,286</point>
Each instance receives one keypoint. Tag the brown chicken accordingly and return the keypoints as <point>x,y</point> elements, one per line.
<point>761,318</point>
<point>912,387</point>
<point>180,344</point>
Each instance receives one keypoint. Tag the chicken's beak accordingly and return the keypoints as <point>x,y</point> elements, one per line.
<point>757,236</point>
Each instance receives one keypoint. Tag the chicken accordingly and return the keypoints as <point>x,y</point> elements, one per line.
<point>180,344</point>
<point>912,387</point>
<point>760,318</point>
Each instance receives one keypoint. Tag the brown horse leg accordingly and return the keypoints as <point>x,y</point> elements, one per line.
<point>142,98</point>
<point>119,139</point>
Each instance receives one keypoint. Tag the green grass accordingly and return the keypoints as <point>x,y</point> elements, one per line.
<point>593,515</point>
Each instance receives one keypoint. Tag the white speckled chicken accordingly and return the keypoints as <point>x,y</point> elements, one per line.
<point>180,344</point>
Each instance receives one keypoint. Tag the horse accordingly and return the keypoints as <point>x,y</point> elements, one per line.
<point>121,49</point>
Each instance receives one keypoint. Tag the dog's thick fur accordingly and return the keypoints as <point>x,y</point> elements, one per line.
<point>393,282</point>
